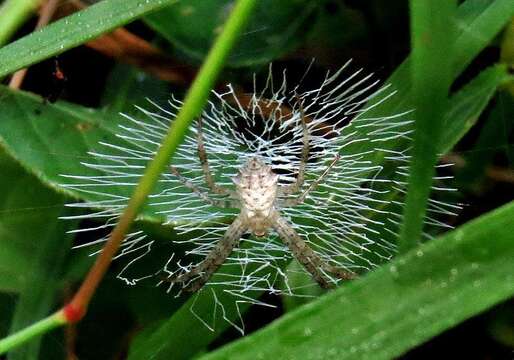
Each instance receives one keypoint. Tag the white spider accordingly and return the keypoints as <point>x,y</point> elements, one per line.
<point>258,196</point>
<point>345,217</point>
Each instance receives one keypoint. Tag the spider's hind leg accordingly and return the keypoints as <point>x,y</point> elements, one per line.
<point>311,261</point>
<point>194,279</point>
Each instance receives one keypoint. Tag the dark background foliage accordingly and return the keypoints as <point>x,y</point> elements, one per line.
<point>374,33</point>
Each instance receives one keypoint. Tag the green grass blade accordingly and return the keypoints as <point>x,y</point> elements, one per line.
<point>481,22</point>
<point>432,38</point>
<point>12,15</point>
<point>73,30</point>
<point>401,305</point>
<point>468,103</point>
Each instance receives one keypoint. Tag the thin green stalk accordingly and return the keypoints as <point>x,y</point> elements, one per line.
<point>12,15</point>
<point>432,39</point>
<point>192,107</point>
<point>41,327</point>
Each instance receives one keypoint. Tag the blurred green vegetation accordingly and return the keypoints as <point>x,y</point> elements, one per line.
<point>455,291</point>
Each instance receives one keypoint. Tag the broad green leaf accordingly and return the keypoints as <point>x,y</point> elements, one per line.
<point>401,305</point>
<point>73,30</point>
<point>33,245</point>
<point>51,140</point>
<point>23,223</point>
<point>276,27</point>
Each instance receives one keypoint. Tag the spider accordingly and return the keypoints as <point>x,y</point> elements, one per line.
<point>259,197</point>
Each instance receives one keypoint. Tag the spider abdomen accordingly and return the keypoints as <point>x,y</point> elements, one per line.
<point>256,186</point>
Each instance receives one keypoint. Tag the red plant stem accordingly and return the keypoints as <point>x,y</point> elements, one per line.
<point>77,307</point>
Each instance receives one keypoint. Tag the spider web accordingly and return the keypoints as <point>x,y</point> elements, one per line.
<point>350,220</point>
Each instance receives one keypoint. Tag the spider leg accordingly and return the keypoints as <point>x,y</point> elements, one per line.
<point>311,261</point>
<point>202,155</point>
<point>200,274</point>
<point>300,199</point>
<point>222,203</point>
<point>295,187</point>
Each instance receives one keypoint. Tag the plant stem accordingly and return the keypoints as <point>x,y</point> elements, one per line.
<point>12,14</point>
<point>194,101</point>
<point>432,38</point>
<point>41,327</point>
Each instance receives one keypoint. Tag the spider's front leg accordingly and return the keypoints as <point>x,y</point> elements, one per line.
<point>202,155</point>
<point>200,274</point>
<point>222,203</point>
<point>311,261</point>
<point>296,186</point>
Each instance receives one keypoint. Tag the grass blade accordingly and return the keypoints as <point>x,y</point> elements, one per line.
<point>432,38</point>
<point>481,22</point>
<point>73,30</point>
<point>468,103</point>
